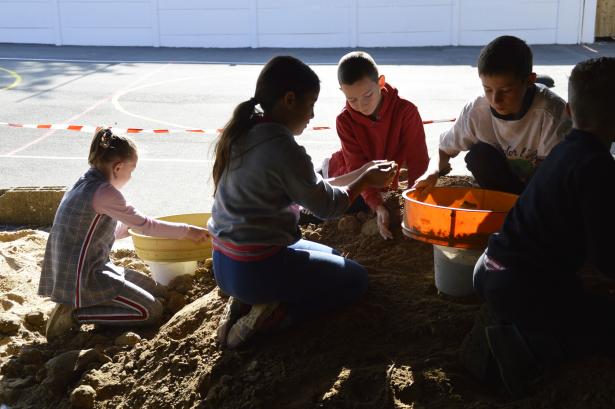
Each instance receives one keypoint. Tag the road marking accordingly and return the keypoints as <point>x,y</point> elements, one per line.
<point>16,79</point>
<point>97,104</point>
<point>116,103</point>
<point>83,158</point>
<point>75,78</point>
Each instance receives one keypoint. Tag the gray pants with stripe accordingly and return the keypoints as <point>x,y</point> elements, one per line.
<point>134,305</point>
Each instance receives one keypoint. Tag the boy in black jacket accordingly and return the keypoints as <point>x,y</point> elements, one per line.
<point>536,311</point>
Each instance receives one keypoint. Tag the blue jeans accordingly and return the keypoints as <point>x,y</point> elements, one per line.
<point>307,277</point>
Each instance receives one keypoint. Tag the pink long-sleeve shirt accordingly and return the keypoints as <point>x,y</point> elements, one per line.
<point>110,201</point>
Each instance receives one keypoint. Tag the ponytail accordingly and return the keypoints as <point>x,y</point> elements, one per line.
<point>280,75</point>
<point>239,125</point>
<point>107,147</point>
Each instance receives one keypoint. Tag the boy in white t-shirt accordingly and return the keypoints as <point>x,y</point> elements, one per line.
<point>507,131</point>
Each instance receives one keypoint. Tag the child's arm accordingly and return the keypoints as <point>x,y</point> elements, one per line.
<point>110,201</point>
<point>348,178</point>
<point>414,146</point>
<point>459,138</point>
<point>429,179</point>
<point>355,159</point>
<point>377,174</point>
<point>306,188</point>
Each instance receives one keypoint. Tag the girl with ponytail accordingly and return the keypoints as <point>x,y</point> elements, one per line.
<point>76,272</point>
<point>262,176</point>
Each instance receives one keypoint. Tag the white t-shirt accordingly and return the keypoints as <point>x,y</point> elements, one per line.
<point>523,141</point>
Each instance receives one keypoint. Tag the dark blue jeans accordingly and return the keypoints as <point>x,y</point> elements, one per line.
<point>491,170</point>
<point>551,308</point>
<point>309,278</point>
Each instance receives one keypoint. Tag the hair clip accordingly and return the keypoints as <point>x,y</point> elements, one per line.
<point>105,139</point>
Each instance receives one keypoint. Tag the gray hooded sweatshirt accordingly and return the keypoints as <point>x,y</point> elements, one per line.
<point>268,176</point>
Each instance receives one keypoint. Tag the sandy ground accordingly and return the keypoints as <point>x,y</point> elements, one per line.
<point>396,348</point>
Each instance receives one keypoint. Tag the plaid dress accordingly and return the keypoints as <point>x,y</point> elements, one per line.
<point>76,269</point>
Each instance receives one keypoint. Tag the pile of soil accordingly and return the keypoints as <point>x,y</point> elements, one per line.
<point>396,348</point>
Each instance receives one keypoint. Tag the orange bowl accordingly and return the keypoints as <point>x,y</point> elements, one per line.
<point>455,216</point>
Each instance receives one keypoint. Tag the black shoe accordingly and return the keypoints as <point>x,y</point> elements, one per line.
<point>518,366</point>
<point>306,217</point>
<point>545,80</point>
<point>475,352</point>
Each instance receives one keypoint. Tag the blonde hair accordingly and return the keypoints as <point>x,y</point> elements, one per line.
<point>107,147</point>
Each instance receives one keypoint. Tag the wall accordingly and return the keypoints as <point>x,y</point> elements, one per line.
<point>294,23</point>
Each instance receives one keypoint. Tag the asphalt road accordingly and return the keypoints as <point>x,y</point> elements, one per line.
<point>197,88</point>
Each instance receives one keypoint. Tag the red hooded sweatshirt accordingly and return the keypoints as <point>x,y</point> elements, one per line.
<point>397,134</point>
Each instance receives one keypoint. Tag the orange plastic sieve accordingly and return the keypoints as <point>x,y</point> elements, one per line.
<point>455,216</point>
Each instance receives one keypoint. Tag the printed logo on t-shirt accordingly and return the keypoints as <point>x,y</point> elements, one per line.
<point>523,163</point>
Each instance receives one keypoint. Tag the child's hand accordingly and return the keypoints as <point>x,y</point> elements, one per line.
<point>381,174</point>
<point>382,217</point>
<point>371,163</point>
<point>198,234</point>
<point>427,182</point>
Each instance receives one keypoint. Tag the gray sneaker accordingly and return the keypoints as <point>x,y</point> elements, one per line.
<point>233,310</point>
<point>247,325</point>
<point>60,321</point>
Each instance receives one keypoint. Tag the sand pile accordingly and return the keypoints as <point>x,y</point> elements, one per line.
<point>396,348</point>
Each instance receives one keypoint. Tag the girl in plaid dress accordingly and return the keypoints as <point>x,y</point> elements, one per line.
<point>77,273</point>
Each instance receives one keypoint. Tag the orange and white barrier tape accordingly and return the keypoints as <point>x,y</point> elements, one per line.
<point>214,131</point>
<point>91,129</point>
<point>439,121</point>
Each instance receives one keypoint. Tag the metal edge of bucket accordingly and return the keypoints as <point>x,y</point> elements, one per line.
<point>408,232</point>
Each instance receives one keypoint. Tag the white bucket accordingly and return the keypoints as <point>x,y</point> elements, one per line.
<point>165,272</point>
<point>454,269</point>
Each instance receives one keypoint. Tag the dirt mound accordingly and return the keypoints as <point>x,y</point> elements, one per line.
<point>396,348</point>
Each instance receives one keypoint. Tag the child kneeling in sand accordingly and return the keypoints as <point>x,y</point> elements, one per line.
<point>76,272</point>
<point>507,131</point>
<point>261,175</point>
<point>375,124</point>
<point>537,312</point>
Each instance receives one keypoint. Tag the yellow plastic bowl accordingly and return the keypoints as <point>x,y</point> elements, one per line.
<point>151,248</point>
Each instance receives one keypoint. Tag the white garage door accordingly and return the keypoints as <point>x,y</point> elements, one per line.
<point>293,23</point>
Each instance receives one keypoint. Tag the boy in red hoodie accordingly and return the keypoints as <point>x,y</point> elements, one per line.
<point>375,124</point>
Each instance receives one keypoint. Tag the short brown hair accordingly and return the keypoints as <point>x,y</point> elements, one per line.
<point>591,92</point>
<point>506,55</point>
<point>355,66</point>
<point>107,147</point>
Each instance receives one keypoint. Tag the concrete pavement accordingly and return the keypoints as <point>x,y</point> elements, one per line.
<point>198,88</point>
